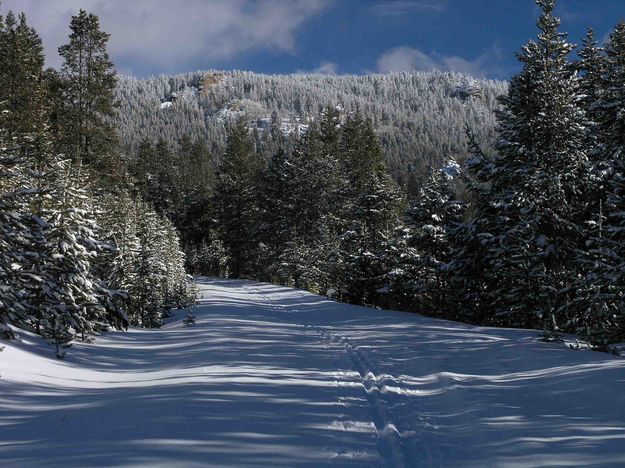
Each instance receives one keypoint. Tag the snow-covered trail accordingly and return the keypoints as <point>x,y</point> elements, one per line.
<point>276,376</point>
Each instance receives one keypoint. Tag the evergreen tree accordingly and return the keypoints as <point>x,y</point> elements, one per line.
<point>275,225</point>
<point>194,210</point>
<point>88,84</point>
<point>176,293</point>
<point>116,264</point>
<point>371,205</point>
<point>66,291</point>
<point>146,291</point>
<point>15,236</point>
<point>432,219</point>
<point>363,263</point>
<point>22,84</point>
<point>600,307</point>
<point>235,200</point>
<point>189,320</point>
<point>527,225</point>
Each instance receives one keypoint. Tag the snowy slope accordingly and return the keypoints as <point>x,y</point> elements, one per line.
<point>276,376</point>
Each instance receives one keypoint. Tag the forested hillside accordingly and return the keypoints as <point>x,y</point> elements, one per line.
<point>420,118</point>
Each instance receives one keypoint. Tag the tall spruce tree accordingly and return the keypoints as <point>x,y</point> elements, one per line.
<point>22,84</point>
<point>147,291</point>
<point>601,316</point>
<point>235,200</point>
<point>87,86</point>
<point>310,210</point>
<point>527,223</point>
<point>22,121</point>
<point>371,206</point>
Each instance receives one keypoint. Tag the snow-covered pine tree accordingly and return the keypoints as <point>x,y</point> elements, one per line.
<point>436,214</point>
<point>301,265</point>
<point>22,84</point>
<point>363,256</point>
<point>591,65</point>
<point>309,212</point>
<point>15,195</point>
<point>68,246</point>
<point>14,183</point>
<point>117,259</point>
<point>400,283</point>
<point>211,257</point>
<point>275,225</point>
<point>146,290</point>
<point>601,316</point>
<point>527,219</point>
<point>176,282</point>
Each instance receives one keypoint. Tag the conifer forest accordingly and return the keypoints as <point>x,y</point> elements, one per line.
<point>163,226</point>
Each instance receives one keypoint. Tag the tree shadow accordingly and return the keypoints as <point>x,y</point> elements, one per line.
<point>264,378</point>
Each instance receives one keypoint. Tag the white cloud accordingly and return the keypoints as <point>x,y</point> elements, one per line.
<point>410,59</point>
<point>168,35</point>
<point>406,7</point>
<point>324,68</point>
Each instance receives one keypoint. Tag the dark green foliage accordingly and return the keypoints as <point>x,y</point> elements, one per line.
<point>432,220</point>
<point>22,85</point>
<point>87,85</point>
<point>601,302</point>
<point>235,200</point>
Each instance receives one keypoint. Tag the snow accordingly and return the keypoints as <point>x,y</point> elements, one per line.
<point>452,169</point>
<point>275,376</point>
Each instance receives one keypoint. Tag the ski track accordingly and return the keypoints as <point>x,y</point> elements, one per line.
<point>389,443</point>
<point>399,443</point>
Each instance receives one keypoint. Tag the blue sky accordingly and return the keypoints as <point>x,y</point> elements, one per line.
<point>479,37</point>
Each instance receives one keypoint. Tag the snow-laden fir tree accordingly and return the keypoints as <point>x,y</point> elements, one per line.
<point>146,291</point>
<point>527,225</point>
<point>302,265</point>
<point>176,282</point>
<point>117,261</point>
<point>15,194</point>
<point>431,220</point>
<point>274,222</point>
<point>66,290</point>
<point>308,211</point>
<point>600,315</point>
<point>363,261</point>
